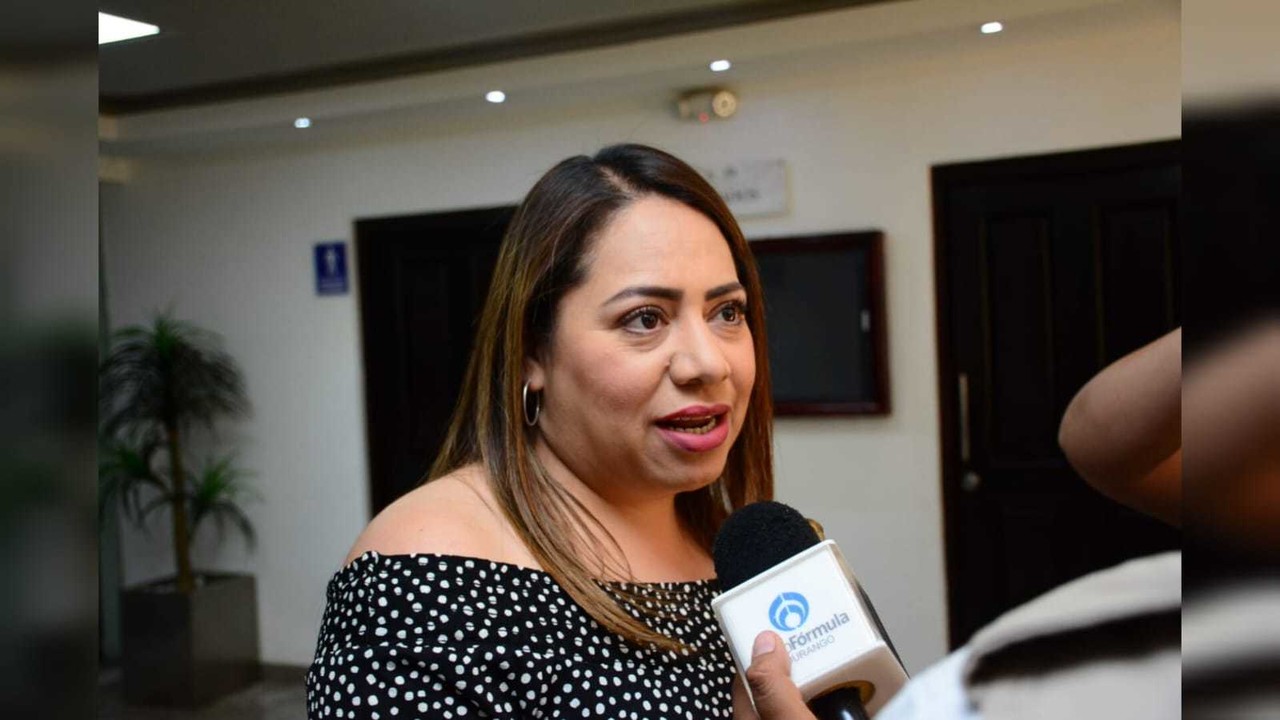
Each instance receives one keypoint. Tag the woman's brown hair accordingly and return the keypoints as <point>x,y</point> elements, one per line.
<point>544,254</point>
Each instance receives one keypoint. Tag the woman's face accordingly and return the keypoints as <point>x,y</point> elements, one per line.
<point>649,371</point>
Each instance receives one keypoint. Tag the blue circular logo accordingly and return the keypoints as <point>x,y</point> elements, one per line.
<point>788,611</point>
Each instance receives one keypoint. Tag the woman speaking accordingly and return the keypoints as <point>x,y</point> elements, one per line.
<point>615,409</point>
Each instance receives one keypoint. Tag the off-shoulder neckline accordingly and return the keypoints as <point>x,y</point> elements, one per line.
<point>369,557</point>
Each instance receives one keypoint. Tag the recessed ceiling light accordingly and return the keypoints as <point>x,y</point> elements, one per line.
<point>302,123</point>
<point>992,27</point>
<point>112,28</point>
<point>495,96</point>
<point>720,65</point>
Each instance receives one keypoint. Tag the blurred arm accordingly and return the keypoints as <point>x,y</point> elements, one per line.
<point>1232,430</point>
<point>1122,430</point>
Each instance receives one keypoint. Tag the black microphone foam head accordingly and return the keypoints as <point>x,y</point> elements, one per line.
<point>757,537</point>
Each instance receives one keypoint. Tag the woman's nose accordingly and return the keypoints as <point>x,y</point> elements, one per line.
<point>697,356</point>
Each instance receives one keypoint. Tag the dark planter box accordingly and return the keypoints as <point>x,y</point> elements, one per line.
<point>182,650</point>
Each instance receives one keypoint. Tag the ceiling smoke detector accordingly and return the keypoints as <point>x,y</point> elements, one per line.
<point>706,104</point>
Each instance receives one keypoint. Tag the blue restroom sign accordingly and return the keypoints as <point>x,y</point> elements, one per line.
<point>331,268</point>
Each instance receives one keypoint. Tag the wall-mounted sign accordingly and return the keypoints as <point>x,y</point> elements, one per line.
<point>331,268</point>
<point>751,188</point>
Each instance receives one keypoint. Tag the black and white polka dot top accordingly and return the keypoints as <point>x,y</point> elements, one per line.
<point>443,636</point>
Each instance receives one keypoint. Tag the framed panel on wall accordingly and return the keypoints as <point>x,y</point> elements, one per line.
<point>825,311</point>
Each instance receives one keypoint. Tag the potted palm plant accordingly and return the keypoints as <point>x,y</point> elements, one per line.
<point>193,637</point>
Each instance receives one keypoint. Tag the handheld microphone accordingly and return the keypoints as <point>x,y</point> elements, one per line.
<point>776,574</point>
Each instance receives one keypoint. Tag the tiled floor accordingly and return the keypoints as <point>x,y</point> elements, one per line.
<point>276,699</point>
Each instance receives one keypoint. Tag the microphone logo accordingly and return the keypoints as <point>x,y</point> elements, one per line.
<point>788,611</point>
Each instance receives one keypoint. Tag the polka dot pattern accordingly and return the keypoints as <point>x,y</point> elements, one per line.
<point>443,636</point>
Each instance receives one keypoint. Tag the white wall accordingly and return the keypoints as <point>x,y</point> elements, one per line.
<point>226,238</point>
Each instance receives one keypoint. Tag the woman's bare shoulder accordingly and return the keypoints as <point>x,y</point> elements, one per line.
<point>452,515</point>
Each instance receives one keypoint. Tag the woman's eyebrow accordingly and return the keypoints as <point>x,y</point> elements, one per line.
<point>670,293</point>
<point>646,291</point>
<point>724,289</point>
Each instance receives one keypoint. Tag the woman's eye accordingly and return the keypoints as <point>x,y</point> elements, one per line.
<point>732,313</point>
<point>643,319</point>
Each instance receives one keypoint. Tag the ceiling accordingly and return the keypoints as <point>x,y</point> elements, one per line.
<point>244,109</point>
<point>210,52</point>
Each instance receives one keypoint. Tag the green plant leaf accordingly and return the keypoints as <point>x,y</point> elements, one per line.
<point>125,473</point>
<point>171,373</point>
<point>217,490</point>
<point>156,381</point>
<point>165,500</point>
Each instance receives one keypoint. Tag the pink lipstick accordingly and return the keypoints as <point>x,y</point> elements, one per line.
<point>697,428</point>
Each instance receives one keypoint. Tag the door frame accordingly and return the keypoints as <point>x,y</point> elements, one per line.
<point>943,179</point>
<point>374,238</point>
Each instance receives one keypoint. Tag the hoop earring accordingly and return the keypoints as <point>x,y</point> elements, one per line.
<point>537,405</point>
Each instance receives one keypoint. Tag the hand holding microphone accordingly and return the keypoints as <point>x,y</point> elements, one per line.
<point>776,696</point>
<point>776,574</point>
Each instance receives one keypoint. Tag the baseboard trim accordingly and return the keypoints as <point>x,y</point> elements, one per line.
<point>284,673</point>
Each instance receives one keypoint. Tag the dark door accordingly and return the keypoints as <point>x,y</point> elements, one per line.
<point>423,280</point>
<point>1048,269</point>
